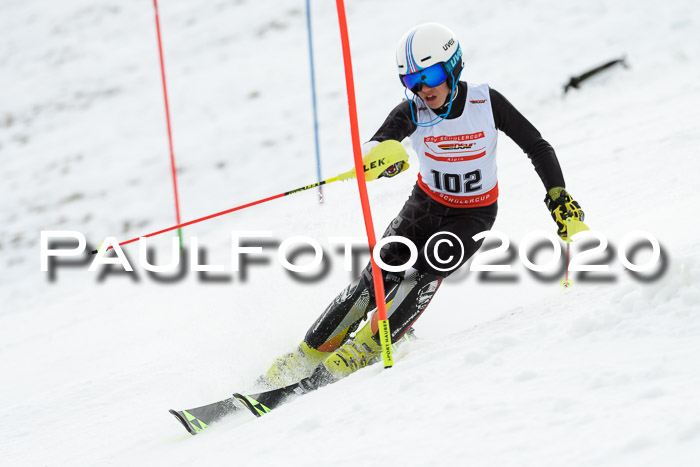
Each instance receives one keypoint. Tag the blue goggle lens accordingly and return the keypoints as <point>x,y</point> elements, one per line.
<point>432,76</point>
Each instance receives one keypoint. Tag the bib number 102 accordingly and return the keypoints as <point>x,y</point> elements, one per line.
<point>457,183</point>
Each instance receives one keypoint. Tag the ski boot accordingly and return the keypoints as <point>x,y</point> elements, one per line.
<point>408,337</point>
<point>357,353</point>
<point>292,367</point>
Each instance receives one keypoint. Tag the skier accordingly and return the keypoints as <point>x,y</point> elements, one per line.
<point>453,128</point>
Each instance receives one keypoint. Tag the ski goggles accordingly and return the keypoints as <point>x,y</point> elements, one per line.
<point>432,76</point>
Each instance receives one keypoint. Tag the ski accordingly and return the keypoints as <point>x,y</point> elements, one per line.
<point>198,419</point>
<point>260,404</point>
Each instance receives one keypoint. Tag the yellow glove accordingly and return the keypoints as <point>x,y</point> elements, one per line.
<point>563,207</point>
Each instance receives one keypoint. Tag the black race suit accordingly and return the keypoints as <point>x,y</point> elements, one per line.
<point>420,218</point>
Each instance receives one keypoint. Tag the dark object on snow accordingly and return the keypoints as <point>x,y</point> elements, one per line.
<point>576,80</point>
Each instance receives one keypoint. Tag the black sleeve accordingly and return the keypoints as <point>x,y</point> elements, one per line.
<point>397,125</point>
<point>525,135</point>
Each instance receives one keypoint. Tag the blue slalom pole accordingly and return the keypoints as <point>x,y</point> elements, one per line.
<point>313,99</point>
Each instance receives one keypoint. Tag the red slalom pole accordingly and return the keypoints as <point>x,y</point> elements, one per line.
<point>383,323</point>
<point>167,119</point>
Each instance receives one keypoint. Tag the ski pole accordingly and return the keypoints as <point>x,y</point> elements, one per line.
<point>381,157</point>
<point>227,211</point>
<point>566,282</point>
<point>573,227</point>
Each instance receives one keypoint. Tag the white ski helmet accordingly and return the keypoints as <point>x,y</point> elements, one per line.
<point>424,46</point>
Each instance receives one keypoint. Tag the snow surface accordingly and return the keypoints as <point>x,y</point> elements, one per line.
<point>514,372</point>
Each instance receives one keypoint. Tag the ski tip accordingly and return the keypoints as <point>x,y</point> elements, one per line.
<point>183,422</point>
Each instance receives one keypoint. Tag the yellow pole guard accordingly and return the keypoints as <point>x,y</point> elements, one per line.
<point>378,159</point>
<point>385,342</point>
<point>573,227</point>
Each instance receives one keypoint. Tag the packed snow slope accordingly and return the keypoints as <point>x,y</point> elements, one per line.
<point>510,369</point>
